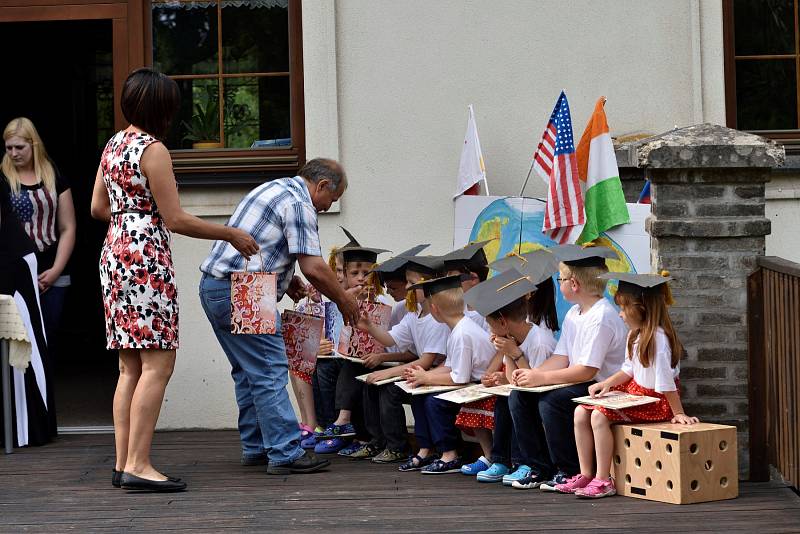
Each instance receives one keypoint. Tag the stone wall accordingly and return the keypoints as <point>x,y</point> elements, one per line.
<point>708,225</point>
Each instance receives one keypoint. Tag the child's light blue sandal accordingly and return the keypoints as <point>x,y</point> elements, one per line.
<point>521,472</point>
<point>494,474</point>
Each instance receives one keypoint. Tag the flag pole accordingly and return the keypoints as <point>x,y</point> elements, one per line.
<point>526,178</point>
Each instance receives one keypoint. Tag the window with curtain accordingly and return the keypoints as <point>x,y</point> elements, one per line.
<point>233,61</point>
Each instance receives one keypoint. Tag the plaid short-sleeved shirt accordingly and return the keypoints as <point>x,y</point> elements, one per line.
<point>283,221</point>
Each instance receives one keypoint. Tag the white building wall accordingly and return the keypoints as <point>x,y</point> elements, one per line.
<point>387,85</point>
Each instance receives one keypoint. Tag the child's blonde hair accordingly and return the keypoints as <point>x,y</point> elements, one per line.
<point>586,277</point>
<point>450,302</point>
<point>333,255</point>
<point>650,310</point>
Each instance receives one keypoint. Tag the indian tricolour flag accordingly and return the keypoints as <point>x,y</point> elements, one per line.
<point>604,202</point>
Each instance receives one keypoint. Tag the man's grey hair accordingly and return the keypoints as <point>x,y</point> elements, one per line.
<point>325,169</point>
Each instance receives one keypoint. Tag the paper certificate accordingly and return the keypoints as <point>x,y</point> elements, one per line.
<point>541,389</point>
<point>616,400</point>
<point>389,380</point>
<point>500,391</point>
<point>466,395</point>
<point>422,390</point>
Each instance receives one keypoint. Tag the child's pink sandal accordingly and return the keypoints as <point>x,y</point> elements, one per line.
<point>597,489</point>
<point>573,484</point>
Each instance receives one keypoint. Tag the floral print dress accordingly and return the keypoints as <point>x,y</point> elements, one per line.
<point>136,272</point>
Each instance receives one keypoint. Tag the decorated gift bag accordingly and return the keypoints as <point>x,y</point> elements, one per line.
<point>254,301</point>
<point>360,342</point>
<point>301,334</point>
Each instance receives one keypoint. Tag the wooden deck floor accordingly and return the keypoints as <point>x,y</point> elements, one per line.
<point>66,487</point>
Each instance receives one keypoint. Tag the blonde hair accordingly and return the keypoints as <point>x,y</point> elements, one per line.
<point>586,277</point>
<point>332,256</point>
<point>450,302</point>
<point>24,128</point>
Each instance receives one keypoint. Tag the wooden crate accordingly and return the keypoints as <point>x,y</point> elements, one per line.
<point>677,464</point>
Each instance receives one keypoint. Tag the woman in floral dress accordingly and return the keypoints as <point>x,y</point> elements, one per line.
<point>135,191</point>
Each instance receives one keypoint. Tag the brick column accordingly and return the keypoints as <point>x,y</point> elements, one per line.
<point>707,226</point>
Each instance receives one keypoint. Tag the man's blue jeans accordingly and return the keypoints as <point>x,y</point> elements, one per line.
<point>260,374</point>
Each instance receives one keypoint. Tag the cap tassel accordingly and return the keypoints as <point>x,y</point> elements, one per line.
<point>514,254</point>
<point>668,299</point>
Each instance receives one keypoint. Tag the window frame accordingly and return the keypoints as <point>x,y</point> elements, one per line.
<point>790,138</point>
<point>240,166</point>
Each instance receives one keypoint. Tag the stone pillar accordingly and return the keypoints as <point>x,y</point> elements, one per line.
<point>707,226</point>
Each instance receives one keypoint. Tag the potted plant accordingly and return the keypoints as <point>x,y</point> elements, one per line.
<point>203,127</point>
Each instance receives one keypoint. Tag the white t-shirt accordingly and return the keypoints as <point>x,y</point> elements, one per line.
<point>420,335</point>
<point>469,352</point>
<point>660,376</point>
<point>398,312</point>
<point>596,338</point>
<point>538,345</point>
<point>479,319</point>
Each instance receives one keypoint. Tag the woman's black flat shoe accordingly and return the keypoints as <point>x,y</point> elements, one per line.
<point>116,477</point>
<point>132,482</point>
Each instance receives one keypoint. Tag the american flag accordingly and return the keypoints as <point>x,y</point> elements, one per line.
<point>36,208</point>
<point>554,161</point>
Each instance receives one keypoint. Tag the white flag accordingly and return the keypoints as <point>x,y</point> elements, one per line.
<point>471,169</point>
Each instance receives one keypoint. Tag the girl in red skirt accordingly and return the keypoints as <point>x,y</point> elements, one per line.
<point>650,368</point>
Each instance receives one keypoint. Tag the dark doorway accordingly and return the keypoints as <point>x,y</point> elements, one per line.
<point>59,75</point>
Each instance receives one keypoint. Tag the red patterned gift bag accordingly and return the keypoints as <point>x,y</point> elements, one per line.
<point>301,334</point>
<point>254,301</point>
<point>360,343</point>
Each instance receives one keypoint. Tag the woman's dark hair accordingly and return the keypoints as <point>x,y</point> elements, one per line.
<point>542,305</point>
<point>150,100</point>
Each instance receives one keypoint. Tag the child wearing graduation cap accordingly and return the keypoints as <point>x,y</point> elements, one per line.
<point>505,300</point>
<point>385,421</point>
<point>417,332</point>
<point>651,368</point>
<point>591,348</point>
<point>468,353</point>
<point>358,262</point>
<point>470,264</point>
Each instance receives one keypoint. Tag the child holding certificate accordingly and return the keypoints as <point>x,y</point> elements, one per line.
<point>651,368</point>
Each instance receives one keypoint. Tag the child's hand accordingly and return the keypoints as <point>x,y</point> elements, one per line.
<point>372,361</point>
<point>599,389</point>
<point>492,379</point>
<point>377,376</point>
<point>683,419</point>
<point>416,376</point>
<point>325,347</point>
<point>364,323</point>
<point>354,291</point>
<point>527,378</point>
<point>507,347</point>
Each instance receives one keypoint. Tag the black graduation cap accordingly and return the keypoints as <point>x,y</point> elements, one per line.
<point>583,256</point>
<point>353,251</point>
<point>499,291</point>
<point>469,257</point>
<point>639,284</point>
<point>538,265</point>
<point>396,267</point>
<point>432,266</point>
<point>436,285</point>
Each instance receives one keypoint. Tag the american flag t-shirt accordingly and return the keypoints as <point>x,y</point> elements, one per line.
<point>35,207</point>
<point>555,163</point>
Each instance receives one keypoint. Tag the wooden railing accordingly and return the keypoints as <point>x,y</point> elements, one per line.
<point>773,302</point>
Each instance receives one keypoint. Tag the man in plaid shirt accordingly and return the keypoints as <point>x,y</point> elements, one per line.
<point>281,215</point>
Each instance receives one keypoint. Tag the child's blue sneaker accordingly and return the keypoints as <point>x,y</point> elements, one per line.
<point>329,446</point>
<point>495,473</point>
<point>440,467</point>
<point>521,472</point>
<point>550,485</point>
<point>339,431</point>
<point>481,464</point>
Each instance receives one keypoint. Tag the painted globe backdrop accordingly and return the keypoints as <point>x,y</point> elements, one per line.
<point>515,220</point>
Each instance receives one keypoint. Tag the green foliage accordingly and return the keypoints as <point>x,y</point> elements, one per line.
<point>204,124</point>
